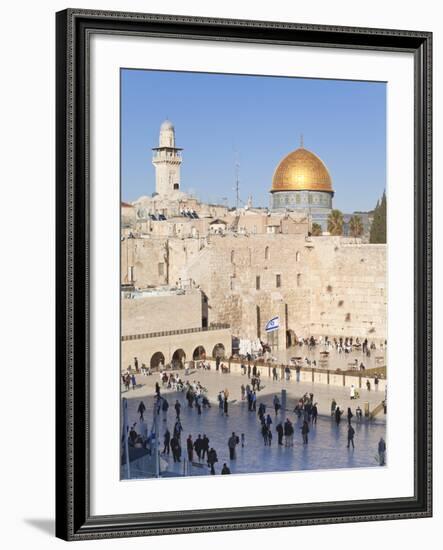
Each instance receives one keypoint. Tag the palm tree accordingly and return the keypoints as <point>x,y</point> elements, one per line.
<point>316,230</point>
<point>335,223</point>
<point>356,226</point>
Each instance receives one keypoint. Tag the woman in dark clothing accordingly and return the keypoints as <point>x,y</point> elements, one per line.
<point>212,459</point>
<point>176,449</point>
<point>225,406</point>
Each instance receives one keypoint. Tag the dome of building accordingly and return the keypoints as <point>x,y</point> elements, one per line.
<point>166,125</point>
<point>301,170</point>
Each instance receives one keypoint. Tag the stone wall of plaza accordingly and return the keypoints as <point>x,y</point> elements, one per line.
<point>147,347</point>
<point>321,286</point>
<point>158,311</point>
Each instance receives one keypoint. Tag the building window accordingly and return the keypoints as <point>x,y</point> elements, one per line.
<point>267,253</point>
<point>297,256</point>
<point>176,186</point>
<point>257,282</point>
<point>232,256</point>
<point>278,280</point>
<point>298,279</point>
<point>161,269</point>
<point>257,309</point>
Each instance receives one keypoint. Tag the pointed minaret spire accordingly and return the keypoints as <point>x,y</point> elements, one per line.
<point>301,141</point>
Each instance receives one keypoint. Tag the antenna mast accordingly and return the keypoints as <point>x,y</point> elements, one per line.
<point>237,180</point>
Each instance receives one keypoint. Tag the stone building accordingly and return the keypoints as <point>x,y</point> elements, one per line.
<point>169,326</point>
<point>301,182</point>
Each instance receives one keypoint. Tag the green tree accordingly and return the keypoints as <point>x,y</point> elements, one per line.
<point>356,226</point>
<point>378,227</point>
<point>316,230</point>
<point>335,223</point>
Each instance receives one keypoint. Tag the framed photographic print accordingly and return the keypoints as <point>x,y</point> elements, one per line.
<point>243,274</point>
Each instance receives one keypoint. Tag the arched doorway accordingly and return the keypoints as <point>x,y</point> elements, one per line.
<point>218,351</point>
<point>157,359</point>
<point>178,359</point>
<point>291,338</point>
<point>199,353</point>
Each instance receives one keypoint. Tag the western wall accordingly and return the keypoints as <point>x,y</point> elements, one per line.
<point>318,286</point>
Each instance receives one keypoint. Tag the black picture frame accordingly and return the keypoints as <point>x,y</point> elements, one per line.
<point>74,28</point>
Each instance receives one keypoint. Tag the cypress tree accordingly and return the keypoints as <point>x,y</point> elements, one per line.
<point>378,227</point>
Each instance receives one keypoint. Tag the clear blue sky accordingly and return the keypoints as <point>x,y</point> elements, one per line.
<point>343,122</point>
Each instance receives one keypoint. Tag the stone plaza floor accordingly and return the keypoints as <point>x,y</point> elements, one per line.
<point>327,442</point>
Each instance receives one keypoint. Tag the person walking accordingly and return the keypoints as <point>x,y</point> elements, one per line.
<point>376,380</point>
<point>349,415</point>
<point>274,375</point>
<point>264,433</point>
<point>279,430</point>
<point>304,432</point>
<point>220,402</point>
<point>382,452</point>
<point>165,406</point>
<point>190,448</point>
<point>198,443</point>
<point>254,401</point>
<point>314,412</point>
<point>368,385</point>
<point>141,409</point>
<point>242,392</point>
<point>177,408</point>
<point>176,449</point>
<point>232,443</point>
<point>276,404</point>
<point>205,446</point>
<point>351,433</point>
<point>166,442</point>
<point>333,406</point>
<point>338,414</point>
<point>225,470</point>
<point>212,459</point>
<point>268,421</point>
<point>352,392</point>
<point>225,406</point>
<point>133,381</point>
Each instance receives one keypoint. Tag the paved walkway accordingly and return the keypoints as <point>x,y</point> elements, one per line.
<point>327,444</point>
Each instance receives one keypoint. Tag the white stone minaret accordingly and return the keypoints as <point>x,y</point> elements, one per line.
<point>167,159</point>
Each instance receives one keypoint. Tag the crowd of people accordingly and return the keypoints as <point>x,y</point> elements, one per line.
<point>198,448</point>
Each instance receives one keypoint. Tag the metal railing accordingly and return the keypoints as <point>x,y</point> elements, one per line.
<point>218,326</point>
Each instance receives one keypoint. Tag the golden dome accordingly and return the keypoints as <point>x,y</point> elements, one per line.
<point>301,170</point>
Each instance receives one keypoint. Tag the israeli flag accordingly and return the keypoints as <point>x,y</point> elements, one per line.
<point>273,324</point>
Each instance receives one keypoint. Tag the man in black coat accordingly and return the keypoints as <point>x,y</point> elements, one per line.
<point>205,446</point>
<point>198,446</point>
<point>190,447</point>
<point>279,429</point>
